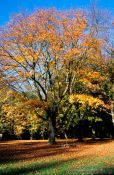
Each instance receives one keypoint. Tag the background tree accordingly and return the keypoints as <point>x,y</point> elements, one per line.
<point>16,116</point>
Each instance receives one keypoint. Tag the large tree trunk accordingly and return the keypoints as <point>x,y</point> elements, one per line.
<point>52,127</point>
<point>51,132</point>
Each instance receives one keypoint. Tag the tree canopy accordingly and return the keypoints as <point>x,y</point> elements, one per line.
<point>55,56</point>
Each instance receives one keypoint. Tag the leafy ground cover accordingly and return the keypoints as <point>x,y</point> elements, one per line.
<point>37,157</point>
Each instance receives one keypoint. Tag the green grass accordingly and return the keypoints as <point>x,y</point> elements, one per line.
<point>87,165</point>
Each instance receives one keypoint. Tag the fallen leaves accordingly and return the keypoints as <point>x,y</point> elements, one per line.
<point>40,150</point>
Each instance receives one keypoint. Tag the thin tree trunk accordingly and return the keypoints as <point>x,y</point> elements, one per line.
<point>80,131</point>
<point>31,136</point>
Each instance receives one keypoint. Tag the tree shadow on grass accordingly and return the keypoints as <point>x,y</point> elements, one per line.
<point>33,168</point>
<point>60,167</point>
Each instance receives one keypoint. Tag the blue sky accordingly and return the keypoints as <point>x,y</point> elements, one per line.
<point>9,7</point>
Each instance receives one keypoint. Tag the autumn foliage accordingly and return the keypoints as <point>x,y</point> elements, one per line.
<point>49,53</point>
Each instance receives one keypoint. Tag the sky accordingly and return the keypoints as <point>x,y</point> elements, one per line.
<point>10,7</point>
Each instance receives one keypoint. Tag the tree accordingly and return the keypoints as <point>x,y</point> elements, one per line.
<point>42,53</point>
<point>16,116</point>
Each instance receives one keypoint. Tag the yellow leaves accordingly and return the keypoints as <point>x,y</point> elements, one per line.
<point>95,75</point>
<point>86,100</point>
<point>16,118</point>
<point>90,78</point>
<point>13,112</point>
<point>3,93</point>
<point>6,107</point>
<point>18,129</point>
<point>19,112</point>
<point>19,58</point>
<point>33,122</point>
<point>46,43</point>
<point>72,53</point>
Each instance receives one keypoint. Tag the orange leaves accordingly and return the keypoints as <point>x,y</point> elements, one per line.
<point>91,79</point>
<point>35,104</point>
<point>13,79</point>
<point>74,24</point>
<point>91,42</point>
<point>72,53</point>
<point>24,74</point>
<point>7,67</point>
<point>95,75</point>
<point>49,27</point>
<point>93,47</point>
<point>44,50</point>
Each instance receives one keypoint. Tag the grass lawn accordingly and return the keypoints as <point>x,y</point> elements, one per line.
<point>37,157</point>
